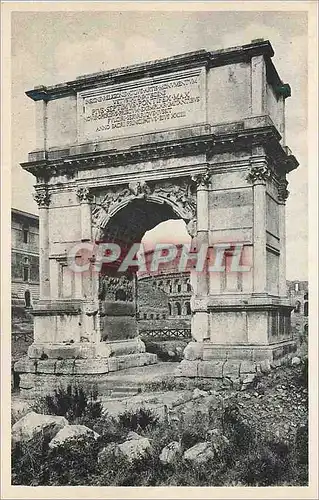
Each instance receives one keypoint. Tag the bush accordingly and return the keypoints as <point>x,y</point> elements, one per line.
<point>138,420</point>
<point>73,403</point>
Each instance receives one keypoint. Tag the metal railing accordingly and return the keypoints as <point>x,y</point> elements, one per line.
<point>167,334</point>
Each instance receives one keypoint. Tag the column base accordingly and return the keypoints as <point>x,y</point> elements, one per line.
<point>207,360</point>
<point>39,377</point>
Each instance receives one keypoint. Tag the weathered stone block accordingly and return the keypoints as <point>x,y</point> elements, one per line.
<point>46,366</point>
<point>231,369</point>
<point>187,369</point>
<point>91,366</point>
<point>25,365</point>
<point>247,367</point>
<point>210,369</point>
<point>27,381</point>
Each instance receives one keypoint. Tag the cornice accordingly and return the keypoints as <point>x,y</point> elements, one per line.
<point>209,144</point>
<point>180,62</point>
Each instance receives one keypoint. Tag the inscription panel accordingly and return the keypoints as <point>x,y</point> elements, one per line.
<point>146,105</point>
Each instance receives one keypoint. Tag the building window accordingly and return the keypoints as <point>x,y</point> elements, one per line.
<point>179,287</point>
<point>305,308</point>
<point>27,298</point>
<point>25,235</point>
<point>178,309</point>
<point>296,287</point>
<point>188,308</point>
<point>25,273</point>
<point>169,309</point>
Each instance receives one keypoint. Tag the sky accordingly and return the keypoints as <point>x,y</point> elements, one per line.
<point>52,47</point>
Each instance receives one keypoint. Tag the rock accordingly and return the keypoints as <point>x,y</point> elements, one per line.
<point>265,367</point>
<point>193,351</point>
<point>295,361</point>
<point>197,393</point>
<point>33,424</point>
<point>248,381</point>
<point>171,354</point>
<point>133,435</point>
<point>135,448</point>
<point>200,453</point>
<point>170,452</point>
<point>71,431</point>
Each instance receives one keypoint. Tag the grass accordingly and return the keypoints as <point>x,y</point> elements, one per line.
<point>247,457</point>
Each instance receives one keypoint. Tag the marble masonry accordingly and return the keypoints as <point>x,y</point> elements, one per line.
<point>199,137</point>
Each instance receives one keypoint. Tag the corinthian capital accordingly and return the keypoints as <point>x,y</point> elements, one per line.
<point>84,195</point>
<point>283,192</point>
<point>259,174</point>
<point>203,179</point>
<point>42,197</point>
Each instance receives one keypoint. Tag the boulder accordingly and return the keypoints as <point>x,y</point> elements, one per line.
<point>248,381</point>
<point>135,448</point>
<point>133,435</point>
<point>69,432</point>
<point>197,393</point>
<point>295,361</point>
<point>200,453</point>
<point>34,424</point>
<point>170,452</point>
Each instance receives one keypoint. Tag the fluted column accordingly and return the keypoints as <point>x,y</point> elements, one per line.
<point>282,197</point>
<point>85,199</point>
<point>42,197</point>
<point>258,176</point>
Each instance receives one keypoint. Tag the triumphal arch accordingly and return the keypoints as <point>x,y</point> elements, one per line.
<point>198,137</point>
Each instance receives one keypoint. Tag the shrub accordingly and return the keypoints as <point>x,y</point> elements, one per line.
<point>139,419</point>
<point>73,403</point>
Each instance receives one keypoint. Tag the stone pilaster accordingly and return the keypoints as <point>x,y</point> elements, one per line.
<point>200,320</point>
<point>85,199</point>
<point>42,198</point>
<point>258,177</point>
<point>283,194</point>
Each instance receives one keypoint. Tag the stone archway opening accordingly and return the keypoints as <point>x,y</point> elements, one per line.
<point>131,228</point>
